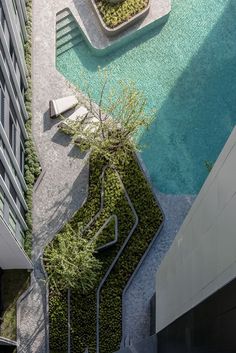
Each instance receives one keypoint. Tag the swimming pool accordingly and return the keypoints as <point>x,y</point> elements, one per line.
<point>188,72</point>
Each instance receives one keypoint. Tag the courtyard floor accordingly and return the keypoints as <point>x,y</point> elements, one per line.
<point>62,189</point>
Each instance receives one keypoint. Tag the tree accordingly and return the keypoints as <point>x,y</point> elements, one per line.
<point>70,262</point>
<point>111,126</point>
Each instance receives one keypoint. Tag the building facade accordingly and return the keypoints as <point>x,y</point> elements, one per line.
<point>196,282</point>
<point>13,115</point>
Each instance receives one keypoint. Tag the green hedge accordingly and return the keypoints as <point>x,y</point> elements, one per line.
<point>83,308</point>
<point>32,166</point>
<point>115,14</point>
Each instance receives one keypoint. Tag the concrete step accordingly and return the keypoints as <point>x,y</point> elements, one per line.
<point>72,43</point>
<point>62,14</point>
<point>75,33</point>
<point>66,29</point>
<point>70,37</point>
<point>64,21</point>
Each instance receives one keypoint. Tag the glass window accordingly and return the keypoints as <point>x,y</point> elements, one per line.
<point>2,105</point>
<point>12,133</point>
<point>14,5</point>
<point>2,96</point>
<point>11,49</point>
<point>2,170</point>
<point>22,210</point>
<point>7,34</point>
<point>1,16</point>
<point>22,158</point>
<point>12,222</point>
<point>22,235</point>
<point>13,192</point>
<point>2,80</point>
<point>2,52</point>
<point>1,203</point>
<point>22,87</point>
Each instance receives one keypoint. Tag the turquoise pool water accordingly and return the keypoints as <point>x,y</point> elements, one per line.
<point>187,70</point>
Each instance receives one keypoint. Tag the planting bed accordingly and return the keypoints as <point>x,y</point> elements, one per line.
<point>84,307</point>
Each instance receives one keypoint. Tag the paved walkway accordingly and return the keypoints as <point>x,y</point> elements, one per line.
<point>63,187</point>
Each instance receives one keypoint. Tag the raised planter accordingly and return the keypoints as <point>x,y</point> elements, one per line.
<point>123,26</point>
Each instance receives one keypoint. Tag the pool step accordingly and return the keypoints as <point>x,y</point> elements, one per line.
<point>68,36</point>
<point>66,29</point>
<point>65,21</point>
<point>68,33</point>
<point>69,45</point>
<point>62,14</point>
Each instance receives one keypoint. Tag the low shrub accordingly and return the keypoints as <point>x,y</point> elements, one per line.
<point>83,307</point>
<point>70,261</point>
<point>115,14</point>
<point>32,166</point>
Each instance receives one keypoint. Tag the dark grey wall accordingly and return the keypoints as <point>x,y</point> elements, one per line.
<point>209,327</point>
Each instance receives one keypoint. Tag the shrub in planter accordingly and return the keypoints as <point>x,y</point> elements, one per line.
<point>116,12</point>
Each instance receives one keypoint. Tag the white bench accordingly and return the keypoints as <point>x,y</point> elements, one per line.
<point>78,115</point>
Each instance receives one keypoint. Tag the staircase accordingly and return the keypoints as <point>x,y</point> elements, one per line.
<point>68,33</point>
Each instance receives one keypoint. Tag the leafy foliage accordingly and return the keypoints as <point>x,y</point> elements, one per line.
<point>114,137</point>
<point>115,14</point>
<point>70,261</point>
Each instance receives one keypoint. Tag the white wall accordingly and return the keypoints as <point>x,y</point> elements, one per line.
<point>12,256</point>
<point>202,258</point>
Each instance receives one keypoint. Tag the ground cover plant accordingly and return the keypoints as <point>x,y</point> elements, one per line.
<point>115,14</point>
<point>83,307</point>
<point>14,283</point>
